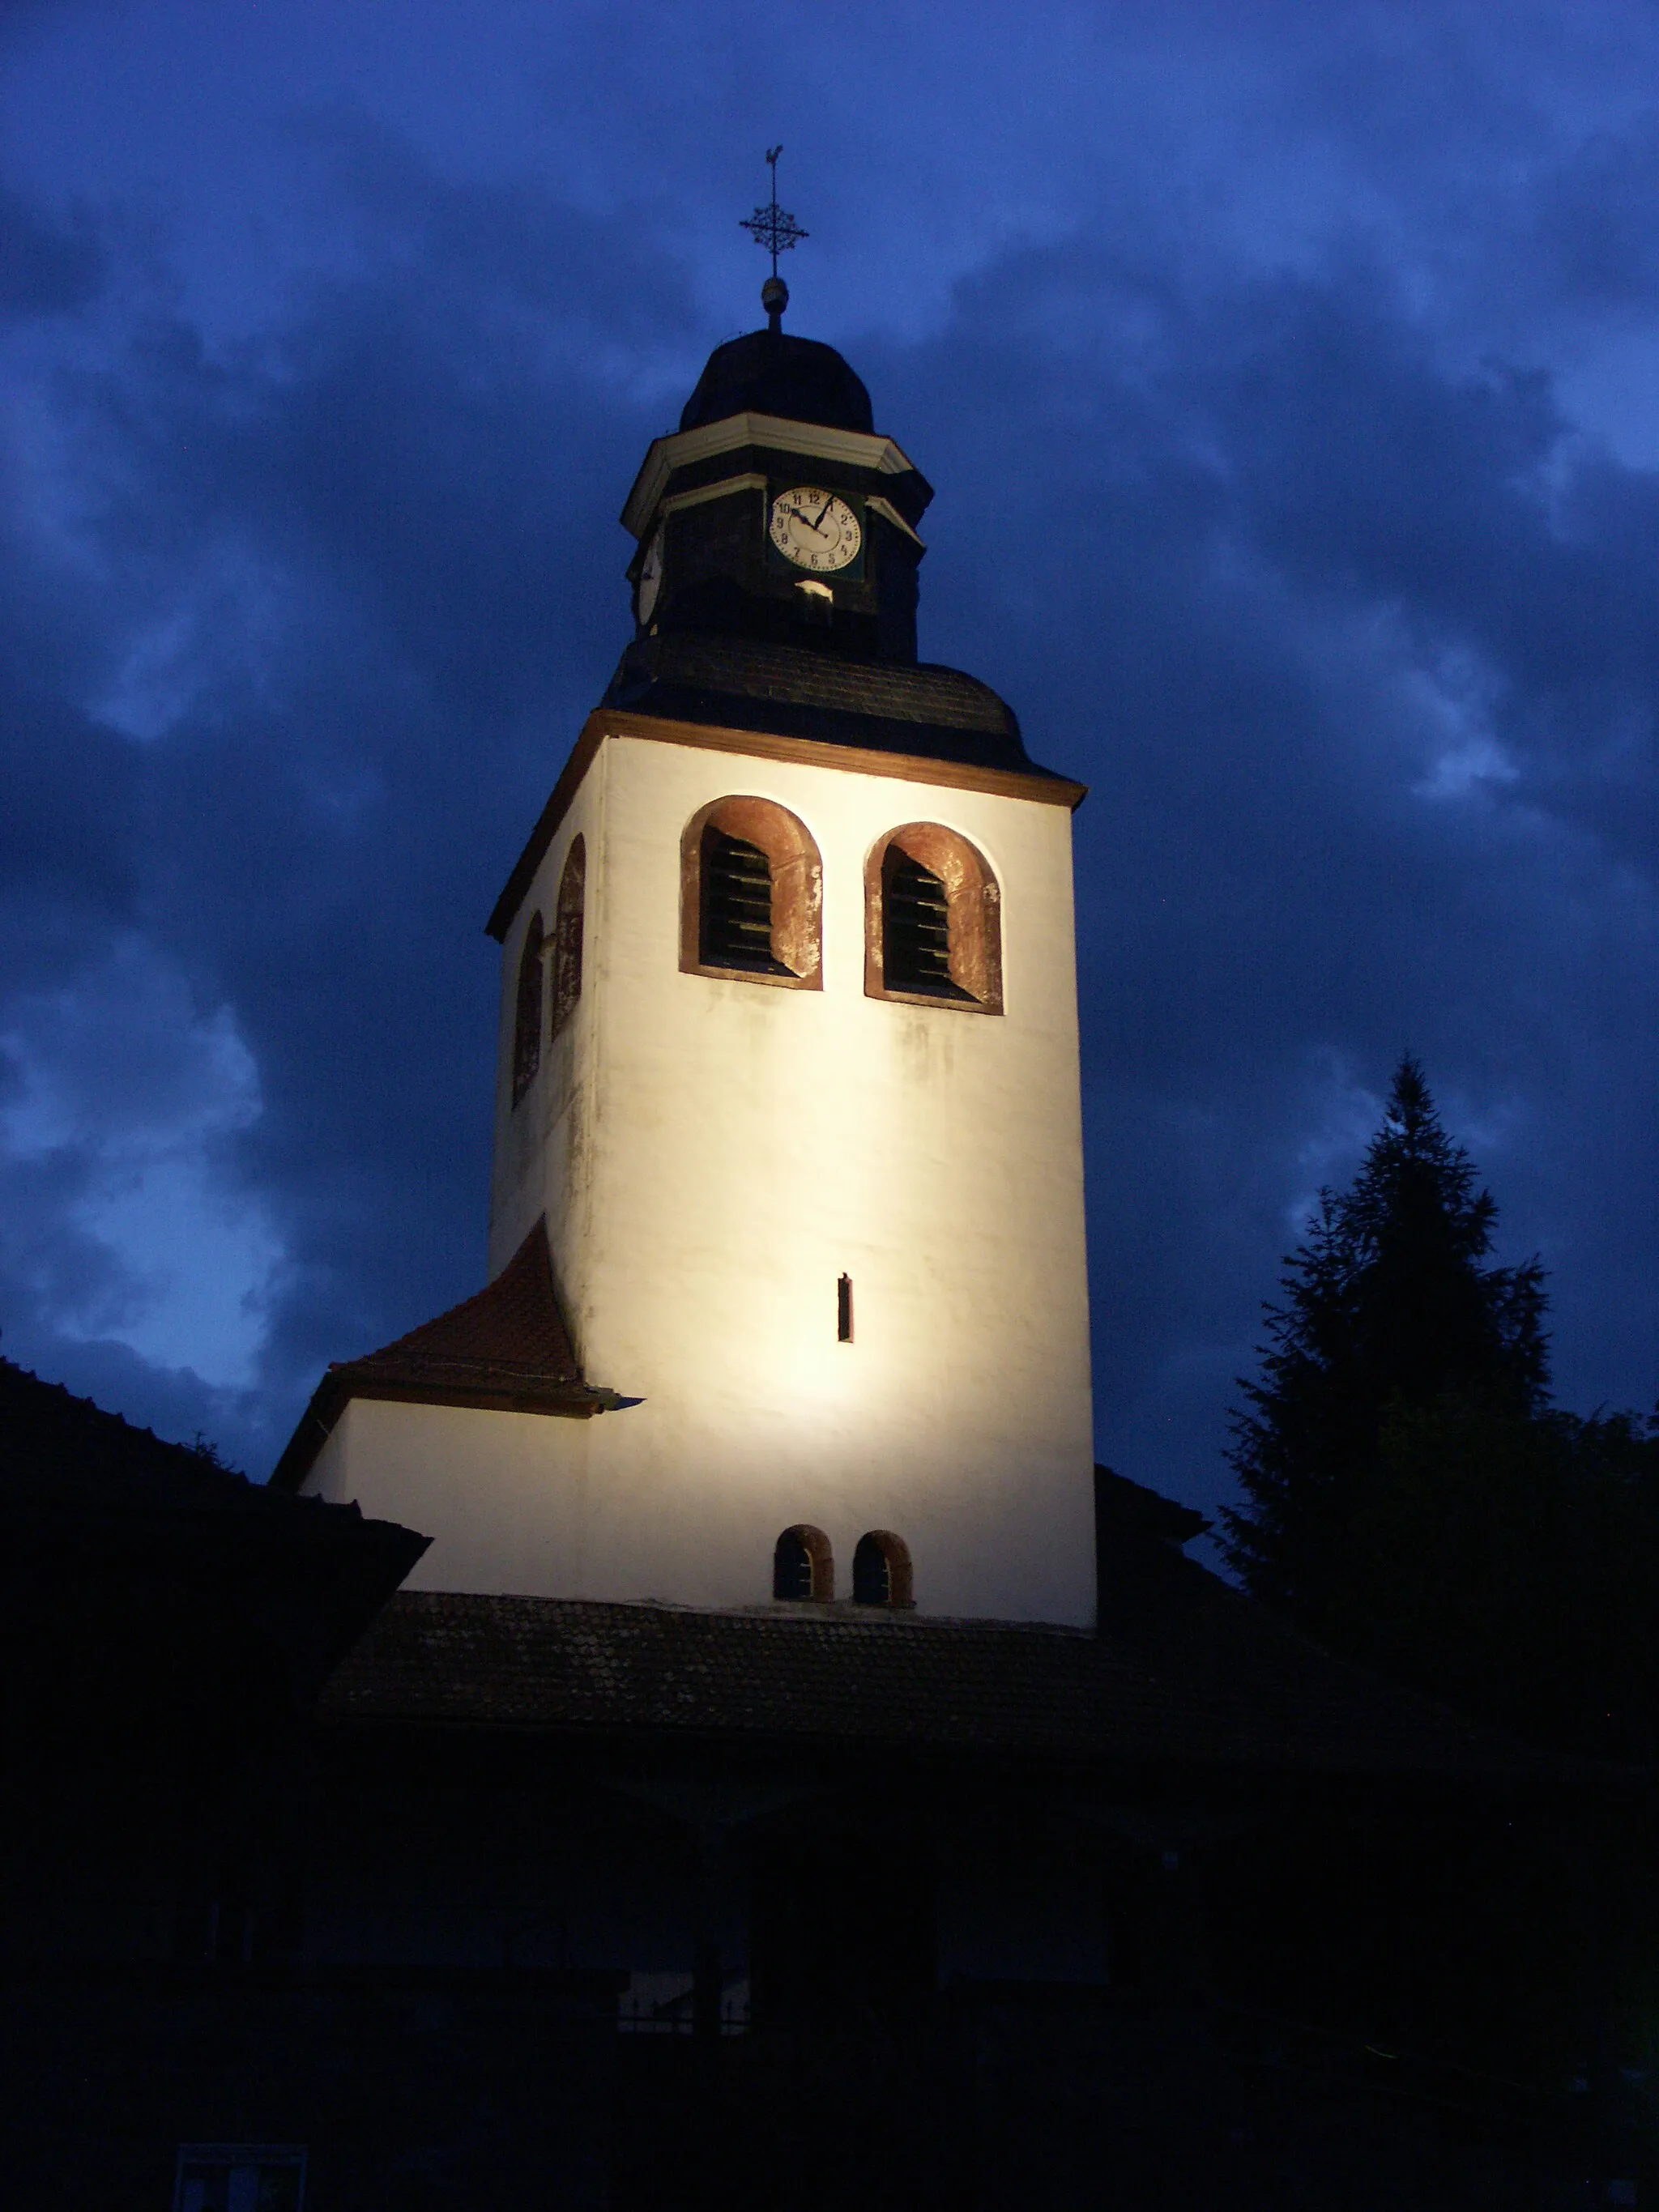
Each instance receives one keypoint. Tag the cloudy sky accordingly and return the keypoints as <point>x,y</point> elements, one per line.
<point>1290,380</point>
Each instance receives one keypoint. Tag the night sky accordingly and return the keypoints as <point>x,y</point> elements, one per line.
<point>1289,378</point>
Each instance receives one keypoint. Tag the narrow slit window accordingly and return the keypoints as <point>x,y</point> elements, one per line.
<point>916,909</point>
<point>844,1309</point>
<point>737,906</point>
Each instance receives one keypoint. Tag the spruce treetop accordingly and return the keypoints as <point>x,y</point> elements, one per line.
<point>1391,1300</point>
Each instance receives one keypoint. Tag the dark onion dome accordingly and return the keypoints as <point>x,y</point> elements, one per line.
<point>769,373</point>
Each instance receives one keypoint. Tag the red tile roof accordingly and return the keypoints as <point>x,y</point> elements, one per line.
<point>507,1348</point>
<point>513,1327</point>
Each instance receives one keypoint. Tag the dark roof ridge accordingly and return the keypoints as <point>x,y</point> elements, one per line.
<point>48,1430</point>
<point>1124,1506</point>
<point>833,1613</point>
<point>1184,1670</point>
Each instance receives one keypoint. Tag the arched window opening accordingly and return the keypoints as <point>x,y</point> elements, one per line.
<point>751,894</point>
<point>527,1019</point>
<point>803,1566</point>
<point>567,935</point>
<point>916,928</point>
<point>932,921</point>
<point>881,1569</point>
<point>737,906</point>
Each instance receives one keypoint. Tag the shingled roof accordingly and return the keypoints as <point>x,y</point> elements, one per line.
<point>922,710</point>
<point>60,1449</point>
<point>507,1348</point>
<point>1184,1671</point>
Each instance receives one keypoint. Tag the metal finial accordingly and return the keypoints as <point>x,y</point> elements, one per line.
<point>776,229</point>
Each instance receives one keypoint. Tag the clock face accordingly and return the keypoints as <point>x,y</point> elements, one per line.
<point>815,530</point>
<point>650,578</point>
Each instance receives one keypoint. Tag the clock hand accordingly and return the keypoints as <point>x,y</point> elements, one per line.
<point>823,511</point>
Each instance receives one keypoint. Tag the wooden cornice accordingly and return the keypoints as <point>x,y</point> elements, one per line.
<point>1044,790</point>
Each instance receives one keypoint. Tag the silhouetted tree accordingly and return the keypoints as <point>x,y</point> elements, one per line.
<point>1412,1499</point>
<point>1390,1303</point>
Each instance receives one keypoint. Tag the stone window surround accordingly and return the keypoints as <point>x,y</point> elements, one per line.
<point>973,901</point>
<point>797,890</point>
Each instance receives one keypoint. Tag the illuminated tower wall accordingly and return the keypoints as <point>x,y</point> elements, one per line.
<point>734,1163</point>
<point>713,1155</point>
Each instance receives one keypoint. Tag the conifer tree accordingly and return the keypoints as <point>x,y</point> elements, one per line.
<point>1391,1302</point>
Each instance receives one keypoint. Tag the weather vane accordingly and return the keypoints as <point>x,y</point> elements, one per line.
<point>776,229</point>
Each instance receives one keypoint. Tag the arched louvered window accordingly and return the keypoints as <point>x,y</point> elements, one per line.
<point>916,927</point>
<point>527,1018</point>
<point>803,1566</point>
<point>751,893</point>
<point>567,935</point>
<point>881,1569</point>
<point>735,926</point>
<point>932,921</point>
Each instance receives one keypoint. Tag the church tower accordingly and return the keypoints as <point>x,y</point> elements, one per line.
<point>787,1303</point>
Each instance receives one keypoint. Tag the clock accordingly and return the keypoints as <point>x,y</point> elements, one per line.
<point>650,582</point>
<point>815,530</point>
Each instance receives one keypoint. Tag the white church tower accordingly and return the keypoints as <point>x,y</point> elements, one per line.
<point>787,1304</point>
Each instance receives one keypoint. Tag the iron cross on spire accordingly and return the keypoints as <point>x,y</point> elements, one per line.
<point>776,229</point>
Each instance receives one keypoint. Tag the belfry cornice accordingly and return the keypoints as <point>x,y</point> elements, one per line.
<point>1035,785</point>
<point>817,441</point>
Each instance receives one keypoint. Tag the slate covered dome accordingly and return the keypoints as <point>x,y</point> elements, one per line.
<point>771,373</point>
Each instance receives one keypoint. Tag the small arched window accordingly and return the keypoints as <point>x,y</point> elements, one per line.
<point>567,935</point>
<point>803,1566</point>
<point>751,894</point>
<point>932,921</point>
<point>881,1569</point>
<point>527,1018</point>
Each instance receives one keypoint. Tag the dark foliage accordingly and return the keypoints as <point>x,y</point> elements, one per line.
<point>1414,1500</point>
<point>1389,1303</point>
<point>1509,1563</point>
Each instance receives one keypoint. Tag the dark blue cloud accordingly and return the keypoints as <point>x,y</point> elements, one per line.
<point>1302,554</point>
<point>46,267</point>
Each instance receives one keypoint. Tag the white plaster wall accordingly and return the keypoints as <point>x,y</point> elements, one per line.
<point>504,1495</point>
<point>711,1156</point>
<point>540,1161</point>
